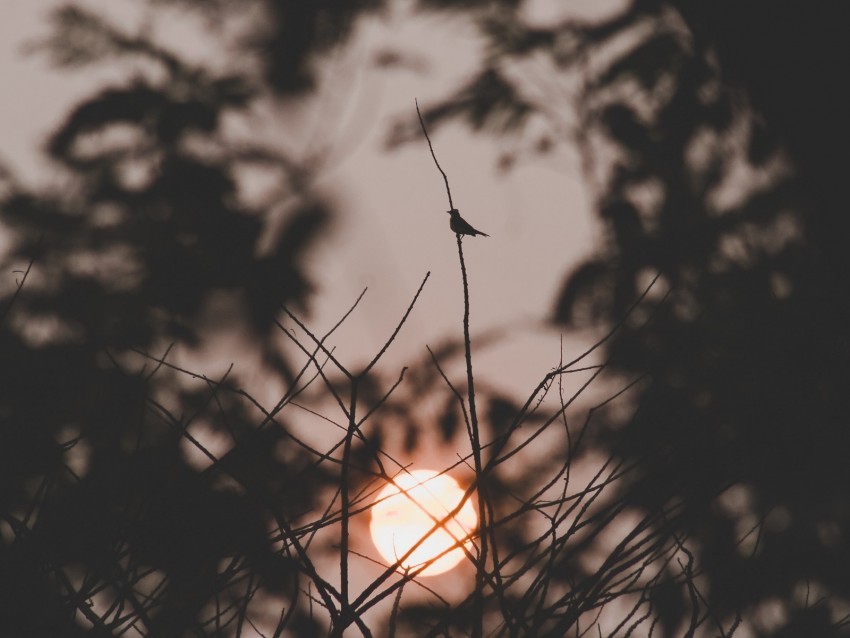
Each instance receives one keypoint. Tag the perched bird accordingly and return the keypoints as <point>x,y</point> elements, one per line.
<point>461,226</point>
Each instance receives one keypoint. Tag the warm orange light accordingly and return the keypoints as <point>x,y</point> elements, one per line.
<point>401,519</point>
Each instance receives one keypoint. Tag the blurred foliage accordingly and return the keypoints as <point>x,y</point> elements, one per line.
<point>720,133</point>
<point>147,244</point>
<point>712,134</point>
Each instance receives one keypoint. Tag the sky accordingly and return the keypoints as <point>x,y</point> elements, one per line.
<point>391,226</point>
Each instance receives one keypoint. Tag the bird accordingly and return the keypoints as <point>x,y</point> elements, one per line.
<point>462,227</point>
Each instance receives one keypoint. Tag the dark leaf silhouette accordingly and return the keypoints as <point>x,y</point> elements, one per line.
<point>449,420</point>
<point>580,290</point>
<point>741,339</point>
<point>647,63</point>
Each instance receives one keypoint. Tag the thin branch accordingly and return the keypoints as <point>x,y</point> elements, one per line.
<point>454,390</point>
<point>20,285</point>
<point>396,606</point>
<point>431,147</point>
<point>475,440</point>
<point>403,320</point>
<point>319,342</point>
<point>481,563</point>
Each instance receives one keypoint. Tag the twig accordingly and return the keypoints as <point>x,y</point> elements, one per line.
<point>383,350</point>
<point>454,390</point>
<point>481,563</point>
<point>431,148</point>
<point>475,440</point>
<point>396,605</point>
<point>347,612</point>
<point>20,285</point>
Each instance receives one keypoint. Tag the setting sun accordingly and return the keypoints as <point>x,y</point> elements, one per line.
<point>401,518</point>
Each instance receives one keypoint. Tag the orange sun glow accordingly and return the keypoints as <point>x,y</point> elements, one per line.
<point>405,512</point>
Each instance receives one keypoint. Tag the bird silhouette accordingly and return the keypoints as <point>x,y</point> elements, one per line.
<point>462,227</point>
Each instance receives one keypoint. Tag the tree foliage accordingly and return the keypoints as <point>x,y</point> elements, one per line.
<point>718,133</point>
<point>706,488</point>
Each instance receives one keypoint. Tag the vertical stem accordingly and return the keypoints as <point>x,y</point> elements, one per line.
<point>481,566</point>
<point>345,612</point>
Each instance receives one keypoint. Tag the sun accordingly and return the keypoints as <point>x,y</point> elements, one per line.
<point>405,512</point>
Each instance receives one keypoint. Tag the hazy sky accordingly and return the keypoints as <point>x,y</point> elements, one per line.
<point>392,226</point>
